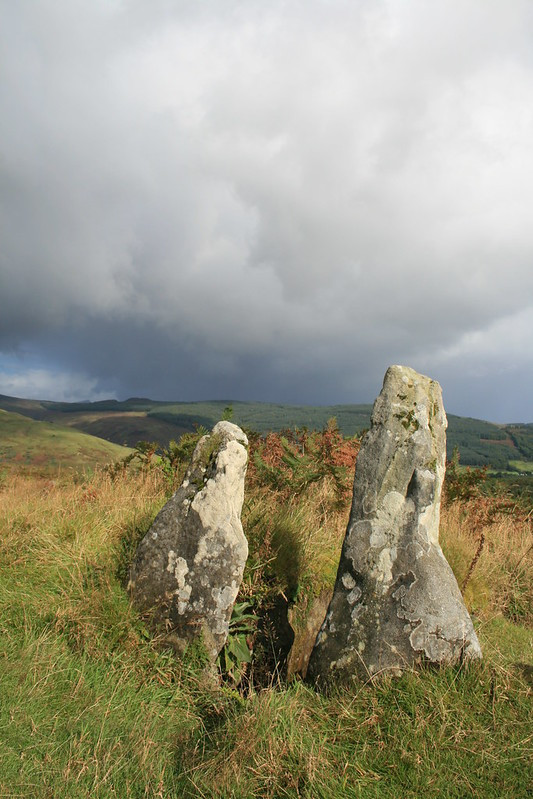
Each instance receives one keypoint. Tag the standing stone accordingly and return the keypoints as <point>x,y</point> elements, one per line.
<point>396,602</point>
<point>189,566</point>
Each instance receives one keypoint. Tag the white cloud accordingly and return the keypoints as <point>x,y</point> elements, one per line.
<point>46,384</point>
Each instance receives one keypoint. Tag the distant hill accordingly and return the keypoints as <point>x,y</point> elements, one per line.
<point>504,447</point>
<point>45,447</point>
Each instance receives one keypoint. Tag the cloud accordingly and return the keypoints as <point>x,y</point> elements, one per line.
<point>43,384</point>
<point>271,201</point>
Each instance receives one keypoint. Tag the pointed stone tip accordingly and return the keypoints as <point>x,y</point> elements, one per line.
<point>230,432</point>
<point>399,370</point>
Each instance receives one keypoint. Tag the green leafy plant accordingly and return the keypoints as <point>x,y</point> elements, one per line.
<point>236,653</point>
<point>227,413</point>
<point>171,460</point>
<point>460,483</point>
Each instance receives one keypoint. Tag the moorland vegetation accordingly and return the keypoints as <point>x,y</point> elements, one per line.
<point>505,448</point>
<point>92,705</point>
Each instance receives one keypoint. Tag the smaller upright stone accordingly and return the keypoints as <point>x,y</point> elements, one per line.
<point>189,566</point>
<point>396,602</point>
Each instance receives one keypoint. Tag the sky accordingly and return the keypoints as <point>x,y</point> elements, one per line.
<point>267,201</point>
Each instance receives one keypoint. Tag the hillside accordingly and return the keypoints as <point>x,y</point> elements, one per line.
<point>504,447</point>
<point>31,445</point>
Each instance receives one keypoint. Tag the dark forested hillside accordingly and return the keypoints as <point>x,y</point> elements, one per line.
<point>504,447</point>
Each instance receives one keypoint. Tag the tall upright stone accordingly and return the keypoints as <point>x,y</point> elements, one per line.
<point>189,566</point>
<point>396,602</point>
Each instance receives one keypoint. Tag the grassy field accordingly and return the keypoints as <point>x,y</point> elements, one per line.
<point>29,445</point>
<point>525,467</point>
<point>91,706</point>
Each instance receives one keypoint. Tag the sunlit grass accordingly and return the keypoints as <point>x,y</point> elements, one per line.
<point>90,706</point>
<point>41,447</point>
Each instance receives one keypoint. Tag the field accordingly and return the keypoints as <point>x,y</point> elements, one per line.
<point>525,467</point>
<point>91,705</point>
<point>43,447</point>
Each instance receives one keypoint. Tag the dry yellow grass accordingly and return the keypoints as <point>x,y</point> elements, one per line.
<point>302,535</point>
<point>84,522</point>
<point>502,577</point>
<point>34,508</point>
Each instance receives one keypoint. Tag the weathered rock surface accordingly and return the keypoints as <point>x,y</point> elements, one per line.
<point>306,626</point>
<point>396,602</point>
<point>189,566</point>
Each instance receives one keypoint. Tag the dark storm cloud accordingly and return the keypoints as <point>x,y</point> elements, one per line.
<point>269,201</point>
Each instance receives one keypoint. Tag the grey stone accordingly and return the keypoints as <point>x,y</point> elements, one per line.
<point>396,602</point>
<point>306,623</point>
<point>189,566</point>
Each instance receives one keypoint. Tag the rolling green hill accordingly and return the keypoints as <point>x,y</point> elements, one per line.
<point>504,447</point>
<point>45,447</point>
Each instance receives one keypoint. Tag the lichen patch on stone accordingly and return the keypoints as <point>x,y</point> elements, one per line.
<point>178,567</point>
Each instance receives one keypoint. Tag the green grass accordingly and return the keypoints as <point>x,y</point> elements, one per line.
<point>522,466</point>
<point>133,725</point>
<point>91,707</point>
<point>433,734</point>
<point>38,445</point>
